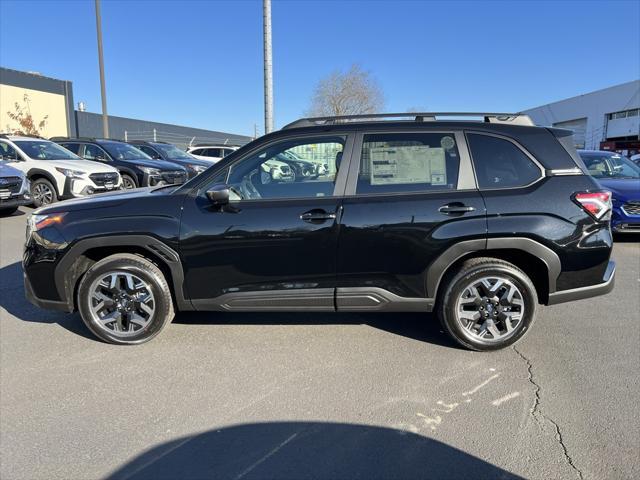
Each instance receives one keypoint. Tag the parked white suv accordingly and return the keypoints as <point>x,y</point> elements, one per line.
<point>212,153</point>
<point>54,172</point>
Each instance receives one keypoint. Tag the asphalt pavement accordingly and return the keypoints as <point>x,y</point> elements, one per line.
<point>319,395</point>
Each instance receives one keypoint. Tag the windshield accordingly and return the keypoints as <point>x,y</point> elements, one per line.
<point>124,151</point>
<point>610,165</point>
<point>172,152</point>
<point>45,150</point>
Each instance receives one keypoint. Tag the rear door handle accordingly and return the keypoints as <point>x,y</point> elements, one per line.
<point>317,216</point>
<point>455,208</point>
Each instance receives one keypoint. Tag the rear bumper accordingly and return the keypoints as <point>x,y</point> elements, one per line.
<point>587,292</point>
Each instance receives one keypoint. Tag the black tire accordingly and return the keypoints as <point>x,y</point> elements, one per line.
<point>145,270</point>
<point>474,270</point>
<point>128,182</point>
<point>6,212</point>
<point>43,192</point>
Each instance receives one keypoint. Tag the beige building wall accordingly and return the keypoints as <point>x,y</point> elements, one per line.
<point>41,104</point>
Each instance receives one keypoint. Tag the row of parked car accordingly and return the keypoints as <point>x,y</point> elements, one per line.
<point>38,171</point>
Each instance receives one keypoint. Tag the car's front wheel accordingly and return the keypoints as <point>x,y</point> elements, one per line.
<point>128,183</point>
<point>125,299</point>
<point>43,192</point>
<point>488,304</point>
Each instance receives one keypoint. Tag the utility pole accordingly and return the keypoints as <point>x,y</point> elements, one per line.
<point>103,91</point>
<point>268,68</point>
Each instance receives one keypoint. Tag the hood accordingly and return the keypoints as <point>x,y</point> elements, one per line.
<point>82,165</point>
<point>9,171</point>
<point>622,188</point>
<point>159,164</point>
<point>105,199</point>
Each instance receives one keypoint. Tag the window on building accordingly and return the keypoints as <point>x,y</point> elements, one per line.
<point>499,163</point>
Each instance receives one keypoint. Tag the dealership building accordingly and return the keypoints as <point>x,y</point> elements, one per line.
<point>607,119</point>
<point>51,100</point>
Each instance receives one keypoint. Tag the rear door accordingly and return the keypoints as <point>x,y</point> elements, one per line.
<point>410,195</point>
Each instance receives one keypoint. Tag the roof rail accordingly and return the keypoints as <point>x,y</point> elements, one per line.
<point>508,118</point>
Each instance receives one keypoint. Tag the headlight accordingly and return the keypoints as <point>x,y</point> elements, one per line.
<point>197,168</point>
<point>150,170</point>
<point>38,222</point>
<point>70,173</point>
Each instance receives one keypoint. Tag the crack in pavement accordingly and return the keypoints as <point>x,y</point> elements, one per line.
<point>537,413</point>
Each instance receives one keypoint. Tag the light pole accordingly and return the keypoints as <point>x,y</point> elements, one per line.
<point>268,68</point>
<point>105,117</point>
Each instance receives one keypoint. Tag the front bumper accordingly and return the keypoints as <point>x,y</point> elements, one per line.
<point>15,201</point>
<point>75,188</point>
<point>608,281</point>
<point>39,302</point>
<point>624,222</point>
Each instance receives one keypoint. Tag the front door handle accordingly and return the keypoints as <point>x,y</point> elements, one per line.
<point>456,208</point>
<point>317,216</point>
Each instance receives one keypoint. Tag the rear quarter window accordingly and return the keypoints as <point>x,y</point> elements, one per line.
<point>499,163</point>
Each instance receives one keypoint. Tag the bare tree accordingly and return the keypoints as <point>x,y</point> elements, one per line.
<point>354,92</point>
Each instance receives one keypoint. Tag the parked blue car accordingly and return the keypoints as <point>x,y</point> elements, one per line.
<point>621,176</point>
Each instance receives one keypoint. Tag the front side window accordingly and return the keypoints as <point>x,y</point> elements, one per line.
<point>499,163</point>
<point>408,162</point>
<point>124,151</point>
<point>272,174</point>
<point>93,152</point>
<point>44,150</point>
<point>72,147</point>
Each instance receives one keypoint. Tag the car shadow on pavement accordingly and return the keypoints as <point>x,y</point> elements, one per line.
<point>424,327</point>
<point>418,326</point>
<point>15,303</point>
<point>626,237</point>
<point>305,450</point>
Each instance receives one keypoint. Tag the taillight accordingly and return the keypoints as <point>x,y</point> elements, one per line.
<point>596,204</point>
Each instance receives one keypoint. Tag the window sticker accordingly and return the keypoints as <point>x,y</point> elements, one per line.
<point>407,164</point>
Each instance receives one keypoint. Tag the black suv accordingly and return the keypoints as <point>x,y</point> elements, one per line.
<point>171,153</point>
<point>137,169</point>
<point>479,221</point>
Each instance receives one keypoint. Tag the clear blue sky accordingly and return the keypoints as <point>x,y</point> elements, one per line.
<point>199,63</point>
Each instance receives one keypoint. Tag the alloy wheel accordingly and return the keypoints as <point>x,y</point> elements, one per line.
<point>42,194</point>
<point>121,303</point>
<point>128,183</point>
<point>490,309</point>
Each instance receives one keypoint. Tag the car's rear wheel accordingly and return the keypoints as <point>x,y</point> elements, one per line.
<point>488,304</point>
<point>128,182</point>
<point>125,299</point>
<point>43,192</point>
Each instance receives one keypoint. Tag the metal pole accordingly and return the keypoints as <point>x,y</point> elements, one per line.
<point>268,68</point>
<point>105,117</point>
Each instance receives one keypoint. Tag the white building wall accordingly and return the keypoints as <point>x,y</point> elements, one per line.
<point>594,107</point>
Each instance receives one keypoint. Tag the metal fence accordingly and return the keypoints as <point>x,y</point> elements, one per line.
<point>181,141</point>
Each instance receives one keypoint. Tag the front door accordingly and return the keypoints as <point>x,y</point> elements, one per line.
<point>410,196</point>
<point>274,245</point>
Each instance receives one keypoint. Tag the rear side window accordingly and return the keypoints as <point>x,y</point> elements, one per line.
<point>500,164</point>
<point>408,162</point>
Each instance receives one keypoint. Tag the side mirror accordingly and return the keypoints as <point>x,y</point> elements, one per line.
<point>219,194</point>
